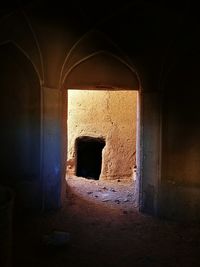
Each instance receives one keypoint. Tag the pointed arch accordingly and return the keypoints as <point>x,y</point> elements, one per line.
<point>101,69</point>
<point>88,44</point>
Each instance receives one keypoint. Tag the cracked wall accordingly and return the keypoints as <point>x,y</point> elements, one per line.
<point>107,114</point>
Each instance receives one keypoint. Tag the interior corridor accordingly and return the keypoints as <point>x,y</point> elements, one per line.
<point>147,47</point>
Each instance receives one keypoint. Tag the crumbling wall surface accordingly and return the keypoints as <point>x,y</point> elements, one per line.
<point>107,114</point>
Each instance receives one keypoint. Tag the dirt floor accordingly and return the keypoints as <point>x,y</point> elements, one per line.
<point>105,229</point>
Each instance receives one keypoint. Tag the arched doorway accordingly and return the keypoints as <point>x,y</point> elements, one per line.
<point>102,69</point>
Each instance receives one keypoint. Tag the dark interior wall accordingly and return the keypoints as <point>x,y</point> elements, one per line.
<point>20,125</point>
<point>181,131</point>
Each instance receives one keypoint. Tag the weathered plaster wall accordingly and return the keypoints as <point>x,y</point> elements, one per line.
<point>108,114</point>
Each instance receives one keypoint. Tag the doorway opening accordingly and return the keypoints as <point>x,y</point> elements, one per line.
<point>101,153</point>
<point>89,156</point>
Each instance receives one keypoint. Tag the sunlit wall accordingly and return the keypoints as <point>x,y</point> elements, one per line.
<point>107,114</point>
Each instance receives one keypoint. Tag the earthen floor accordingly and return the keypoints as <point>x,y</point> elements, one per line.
<point>105,229</point>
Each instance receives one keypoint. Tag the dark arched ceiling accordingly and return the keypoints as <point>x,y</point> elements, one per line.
<point>153,34</point>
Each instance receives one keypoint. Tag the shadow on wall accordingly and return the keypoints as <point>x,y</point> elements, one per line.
<point>20,126</point>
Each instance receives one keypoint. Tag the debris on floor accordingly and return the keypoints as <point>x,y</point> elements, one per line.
<point>110,192</point>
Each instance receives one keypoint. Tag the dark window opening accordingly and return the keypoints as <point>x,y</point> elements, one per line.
<point>89,157</point>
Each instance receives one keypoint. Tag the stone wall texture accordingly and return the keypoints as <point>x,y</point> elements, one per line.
<point>110,115</point>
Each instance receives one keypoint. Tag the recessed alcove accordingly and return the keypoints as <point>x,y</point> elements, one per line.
<point>89,156</point>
